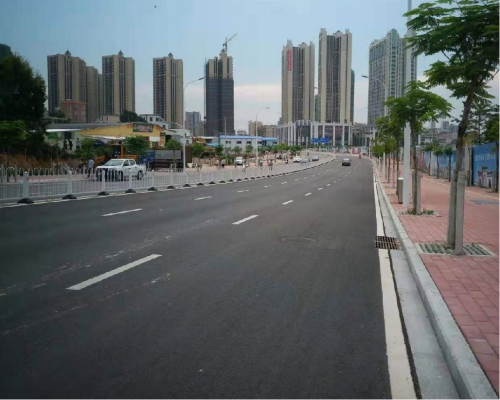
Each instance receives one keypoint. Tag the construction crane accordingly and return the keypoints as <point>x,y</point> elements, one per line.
<point>224,45</point>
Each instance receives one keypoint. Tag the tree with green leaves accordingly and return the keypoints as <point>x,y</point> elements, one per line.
<point>87,149</point>
<point>387,128</point>
<point>482,111</point>
<point>173,144</point>
<point>465,32</point>
<point>219,150</point>
<point>491,130</point>
<point>438,151</point>
<point>448,151</point>
<point>248,150</point>
<point>136,144</point>
<point>198,149</point>
<point>13,135</point>
<point>237,150</point>
<point>130,116</point>
<point>417,107</point>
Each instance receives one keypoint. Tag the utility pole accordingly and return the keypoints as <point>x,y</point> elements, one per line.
<point>407,133</point>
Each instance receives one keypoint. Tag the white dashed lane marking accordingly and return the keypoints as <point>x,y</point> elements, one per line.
<point>245,219</point>
<point>203,198</point>
<point>287,202</point>
<point>122,212</point>
<point>307,194</point>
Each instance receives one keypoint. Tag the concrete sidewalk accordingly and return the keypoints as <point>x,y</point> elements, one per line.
<point>469,285</point>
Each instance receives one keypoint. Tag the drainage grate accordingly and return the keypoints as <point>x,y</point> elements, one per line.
<point>424,214</point>
<point>386,242</point>
<point>487,202</point>
<point>473,249</point>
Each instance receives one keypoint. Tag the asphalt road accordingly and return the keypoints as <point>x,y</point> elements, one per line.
<point>257,289</point>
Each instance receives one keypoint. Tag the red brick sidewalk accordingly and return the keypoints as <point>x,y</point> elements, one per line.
<point>469,285</point>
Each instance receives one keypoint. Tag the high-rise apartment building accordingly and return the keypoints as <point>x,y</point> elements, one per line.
<point>67,81</point>
<point>297,82</point>
<point>193,118</point>
<point>252,125</point>
<point>334,77</point>
<point>93,97</point>
<point>168,93</point>
<point>118,83</point>
<point>353,78</point>
<point>219,95</point>
<point>101,95</point>
<point>267,131</point>
<point>386,67</point>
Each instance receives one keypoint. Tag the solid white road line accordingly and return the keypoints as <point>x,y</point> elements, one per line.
<point>320,189</point>
<point>307,194</point>
<point>109,274</point>
<point>203,198</point>
<point>397,356</point>
<point>122,212</point>
<point>288,202</point>
<point>241,191</point>
<point>245,219</point>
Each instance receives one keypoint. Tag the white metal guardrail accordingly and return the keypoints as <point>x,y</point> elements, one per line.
<point>68,183</point>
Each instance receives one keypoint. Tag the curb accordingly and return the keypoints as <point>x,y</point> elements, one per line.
<point>470,380</point>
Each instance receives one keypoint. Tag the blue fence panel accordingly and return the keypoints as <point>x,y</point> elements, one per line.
<point>484,165</point>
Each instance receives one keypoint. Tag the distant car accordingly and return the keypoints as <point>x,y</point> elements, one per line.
<point>297,159</point>
<point>304,160</point>
<point>239,161</point>
<point>315,158</point>
<point>346,162</point>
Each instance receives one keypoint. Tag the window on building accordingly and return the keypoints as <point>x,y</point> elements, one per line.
<point>238,142</point>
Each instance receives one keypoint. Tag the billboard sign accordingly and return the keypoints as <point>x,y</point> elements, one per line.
<point>138,127</point>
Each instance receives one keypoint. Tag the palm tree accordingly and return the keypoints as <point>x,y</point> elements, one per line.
<point>237,150</point>
<point>438,151</point>
<point>449,152</point>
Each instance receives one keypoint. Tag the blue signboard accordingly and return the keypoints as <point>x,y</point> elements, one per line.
<point>484,165</point>
<point>325,140</point>
<point>314,140</point>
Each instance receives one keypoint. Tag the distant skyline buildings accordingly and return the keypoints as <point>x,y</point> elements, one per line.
<point>193,118</point>
<point>168,81</point>
<point>219,95</point>
<point>252,125</point>
<point>297,82</point>
<point>386,67</point>
<point>334,76</point>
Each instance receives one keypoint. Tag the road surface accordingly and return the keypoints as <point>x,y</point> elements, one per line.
<point>258,289</point>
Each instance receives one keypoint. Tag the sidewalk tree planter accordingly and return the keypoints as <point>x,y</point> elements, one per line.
<point>417,107</point>
<point>466,34</point>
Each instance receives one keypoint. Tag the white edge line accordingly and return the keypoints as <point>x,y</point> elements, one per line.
<point>122,212</point>
<point>397,357</point>
<point>109,274</point>
<point>245,219</point>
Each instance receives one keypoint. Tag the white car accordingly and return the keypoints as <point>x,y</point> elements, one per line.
<point>297,159</point>
<point>239,161</point>
<point>119,169</point>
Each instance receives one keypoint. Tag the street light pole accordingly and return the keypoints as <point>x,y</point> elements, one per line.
<point>184,122</point>
<point>257,140</point>
<point>407,133</point>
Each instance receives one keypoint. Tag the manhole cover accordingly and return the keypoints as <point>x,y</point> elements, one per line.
<point>386,242</point>
<point>487,202</point>
<point>298,239</point>
<point>473,249</point>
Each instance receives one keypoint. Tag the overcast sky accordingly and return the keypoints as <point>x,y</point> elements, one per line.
<point>194,30</point>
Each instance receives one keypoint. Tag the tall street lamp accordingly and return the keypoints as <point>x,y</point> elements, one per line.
<point>257,140</point>
<point>385,94</point>
<point>184,122</point>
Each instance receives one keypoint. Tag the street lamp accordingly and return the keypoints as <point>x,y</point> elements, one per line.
<point>257,140</point>
<point>184,122</point>
<point>385,95</point>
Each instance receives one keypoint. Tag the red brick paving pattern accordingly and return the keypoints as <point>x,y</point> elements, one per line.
<point>469,285</point>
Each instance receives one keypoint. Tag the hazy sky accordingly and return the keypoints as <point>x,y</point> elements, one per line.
<point>194,30</point>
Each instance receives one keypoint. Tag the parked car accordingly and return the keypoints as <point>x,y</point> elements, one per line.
<point>297,159</point>
<point>119,169</point>
<point>346,162</point>
<point>304,160</point>
<point>239,161</point>
<point>315,158</point>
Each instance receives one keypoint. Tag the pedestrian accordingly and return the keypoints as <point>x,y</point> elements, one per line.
<point>90,166</point>
<point>78,143</point>
<point>65,144</point>
<point>271,165</point>
<point>70,145</point>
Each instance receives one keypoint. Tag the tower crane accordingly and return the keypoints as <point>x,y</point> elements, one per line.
<point>224,45</point>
